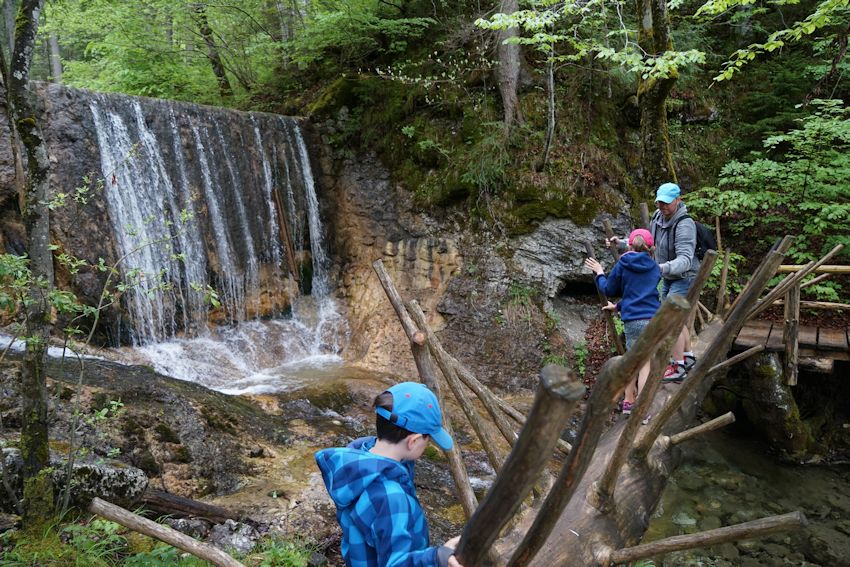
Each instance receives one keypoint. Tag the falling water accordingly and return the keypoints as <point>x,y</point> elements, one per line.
<point>219,169</point>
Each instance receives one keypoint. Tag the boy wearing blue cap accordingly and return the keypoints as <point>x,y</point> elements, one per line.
<point>371,483</point>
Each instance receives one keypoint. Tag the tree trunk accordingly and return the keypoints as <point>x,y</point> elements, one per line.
<point>212,51</point>
<point>654,39</point>
<point>550,109</point>
<point>9,11</point>
<point>38,488</point>
<point>509,66</point>
<point>55,59</point>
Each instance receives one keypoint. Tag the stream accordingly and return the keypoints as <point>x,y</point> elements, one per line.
<point>727,478</point>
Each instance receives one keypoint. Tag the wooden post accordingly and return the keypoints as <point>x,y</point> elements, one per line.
<point>557,395</point>
<point>644,215</point>
<point>717,233</point>
<point>609,317</point>
<point>791,334</point>
<point>720,307</point>
<point>609,234</point>
<point>614,376</point>
<point>428,374</point>
<point>747,530</point>
<point>163,533</point>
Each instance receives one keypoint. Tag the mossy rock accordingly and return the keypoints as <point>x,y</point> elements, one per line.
<point>338,94</point>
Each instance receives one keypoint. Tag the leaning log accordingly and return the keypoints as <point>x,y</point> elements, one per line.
<point>428,374</point>
<point>163,533</point>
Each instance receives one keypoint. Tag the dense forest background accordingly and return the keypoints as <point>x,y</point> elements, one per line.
<point>755,116</point>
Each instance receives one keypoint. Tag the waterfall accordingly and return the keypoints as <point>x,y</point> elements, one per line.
<point>190,197</point>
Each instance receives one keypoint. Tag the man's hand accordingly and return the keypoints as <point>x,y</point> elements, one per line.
<point>593,265</point>
<point>609,307</point>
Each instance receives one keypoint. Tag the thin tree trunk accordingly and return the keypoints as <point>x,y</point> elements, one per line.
<point>55,58</point>
<point>654,39</point>
<point>38,488</point>
<point>550,109</point>
<point>212,51</point>
<point>509,67</point>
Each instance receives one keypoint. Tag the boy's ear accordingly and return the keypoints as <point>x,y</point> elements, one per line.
<point>411,439</point>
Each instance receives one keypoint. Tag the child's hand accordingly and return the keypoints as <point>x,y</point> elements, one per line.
<point>613,241</point>
<point>452,543</point>
<point>610,307</point>
<point>593,265</point>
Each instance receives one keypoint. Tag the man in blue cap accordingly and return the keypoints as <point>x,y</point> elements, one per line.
<point>675,235</point>
<point>371,483</point>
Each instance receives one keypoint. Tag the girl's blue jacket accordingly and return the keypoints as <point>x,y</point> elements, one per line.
<point>635,278</point>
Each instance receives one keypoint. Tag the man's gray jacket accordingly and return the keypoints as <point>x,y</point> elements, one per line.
<point>675,254</point>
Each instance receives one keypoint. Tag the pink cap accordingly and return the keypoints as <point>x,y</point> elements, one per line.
<point>647,236</point>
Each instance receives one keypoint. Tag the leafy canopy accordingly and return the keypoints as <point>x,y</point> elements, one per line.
<point>799,184</point>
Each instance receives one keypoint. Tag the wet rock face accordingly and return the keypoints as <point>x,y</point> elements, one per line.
<point>143,163</point>
<point>554,254</point>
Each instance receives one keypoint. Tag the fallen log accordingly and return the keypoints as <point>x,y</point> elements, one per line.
<point>613,378</point>
<point>581,530</point>
<point>169,504</point>
<point>163,533</point>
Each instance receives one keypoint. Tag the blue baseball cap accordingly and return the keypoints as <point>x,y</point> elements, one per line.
<point>667,193</point>
<point>416,409</point>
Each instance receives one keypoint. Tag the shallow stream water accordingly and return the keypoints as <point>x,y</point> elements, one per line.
<point>727,478</point>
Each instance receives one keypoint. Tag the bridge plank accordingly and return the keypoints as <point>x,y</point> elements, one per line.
<point>753,334</point>
<point>832,339</point>
<point>809,336</point>
<point>776,340</point>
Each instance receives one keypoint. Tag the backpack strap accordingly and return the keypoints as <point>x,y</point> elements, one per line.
<point>672,230</point>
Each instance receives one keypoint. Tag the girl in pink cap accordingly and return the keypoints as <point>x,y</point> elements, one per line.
<point>634,278</point>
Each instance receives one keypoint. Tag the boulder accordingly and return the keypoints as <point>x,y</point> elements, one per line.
<point>112,481</point>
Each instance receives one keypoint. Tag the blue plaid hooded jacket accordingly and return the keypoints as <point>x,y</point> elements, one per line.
<point>382,522</point>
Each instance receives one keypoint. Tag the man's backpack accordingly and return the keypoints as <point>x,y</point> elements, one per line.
<point>705,238</point>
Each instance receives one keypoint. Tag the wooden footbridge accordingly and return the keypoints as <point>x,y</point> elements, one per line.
<point>811,348</point>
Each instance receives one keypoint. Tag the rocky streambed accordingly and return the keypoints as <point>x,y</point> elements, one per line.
<point>728,478</point>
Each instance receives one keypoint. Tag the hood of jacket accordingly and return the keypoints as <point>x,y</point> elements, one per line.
<point>638,262</point>
<point>349,471</point>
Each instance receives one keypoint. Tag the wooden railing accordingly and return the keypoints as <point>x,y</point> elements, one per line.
<point>792,304</point>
